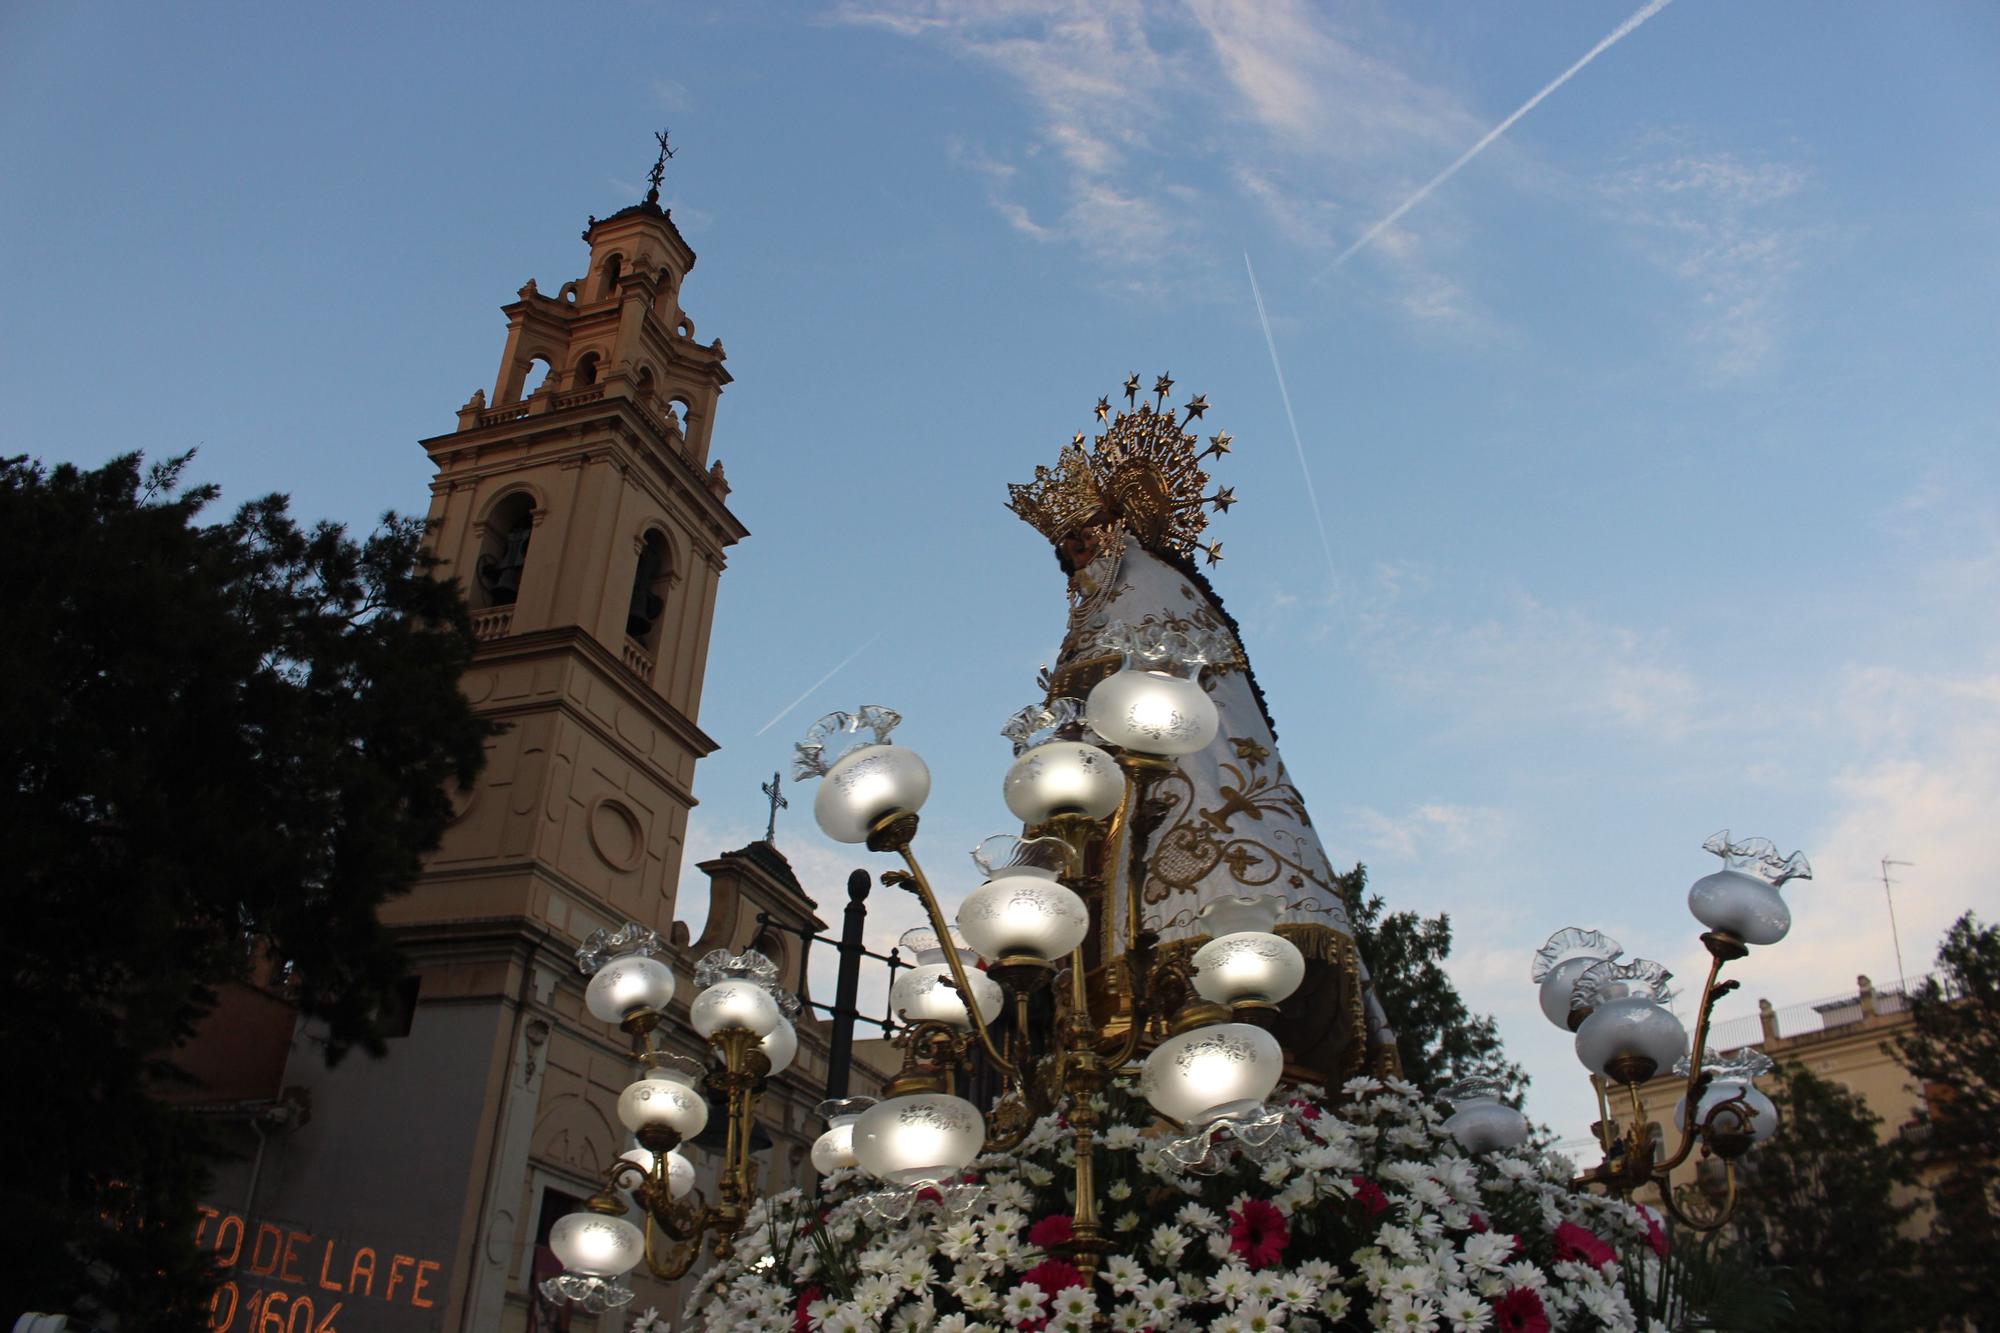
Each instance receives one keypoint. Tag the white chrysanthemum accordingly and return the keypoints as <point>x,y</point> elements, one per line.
<point>1023,1303</point>
<point>1074,1303</point>
<point>1521,1273</point>
<point>1161,1298</point>
<point>1467,1313</point>
<point>1129,1318</point>
<point>1297,1291</point>
<point>1400,1242</point>
<point>846,1319</point>
<point>1254,1316</point>
<point>1197,1218</point>
<point>1410,1314</point>
<point>958,1240</point>
<point>1166,1244</point>
<point>1229,1284</point>
<point>1123,1273</point>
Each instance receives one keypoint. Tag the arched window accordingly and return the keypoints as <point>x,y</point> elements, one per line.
<point>645,385</point>
<point>541,375</point>
<point>649,590</point>
<point>586,369</point>
<point>503,551</point>
<point>613,266</point>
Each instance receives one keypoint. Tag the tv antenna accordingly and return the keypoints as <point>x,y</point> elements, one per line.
<point>1897,939</point>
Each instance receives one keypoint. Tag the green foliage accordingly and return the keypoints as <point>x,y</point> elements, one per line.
<point>1437,1037</point>
<point>225,745</point>
<point>1828,1201</point>
<point>1703,1284</point>
<point>1953,1054</point>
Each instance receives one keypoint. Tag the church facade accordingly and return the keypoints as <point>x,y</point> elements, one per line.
<point>582,510</point>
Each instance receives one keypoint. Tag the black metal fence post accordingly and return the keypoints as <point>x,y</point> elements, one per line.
<point>847,988</point>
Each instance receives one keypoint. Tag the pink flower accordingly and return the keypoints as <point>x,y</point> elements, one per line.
<point>1258,1233</point>
<point>1053,1230</point>
<point>1573,1242</point>
<point>1520,1311</point>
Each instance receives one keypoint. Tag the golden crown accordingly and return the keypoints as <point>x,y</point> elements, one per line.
<point>1142,474</point>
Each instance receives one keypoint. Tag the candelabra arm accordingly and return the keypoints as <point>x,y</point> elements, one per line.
<point>1138,970</point>
<point>1722,948</point>
<point>682,1224</point>
<point>896,837</point>
<point>1704,1221</point>
<point>1141,772</point>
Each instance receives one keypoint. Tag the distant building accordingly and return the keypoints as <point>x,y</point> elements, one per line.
<point>1847,1039</point>
<point>581,511</point>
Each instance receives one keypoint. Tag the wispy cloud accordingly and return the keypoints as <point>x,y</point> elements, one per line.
<point>1718,223</point>
<point>1530,663</point>
<point>1152,126</point>
<point>1430,829</point>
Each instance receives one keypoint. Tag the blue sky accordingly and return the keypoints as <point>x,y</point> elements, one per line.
<point>1655,448</point>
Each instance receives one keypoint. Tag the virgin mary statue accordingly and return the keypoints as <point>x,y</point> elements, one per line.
<point>1125,513</point>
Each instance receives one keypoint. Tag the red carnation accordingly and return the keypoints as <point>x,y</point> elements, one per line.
<point>1258,1233</point>
<point>1573,1242</point>
<point>1369,1195</point>
<point>1051,1231</point>
<point>929,1194</point>
<point>801,1321</point>
<point>1052,1275</point>
<point>1478,1225</point>
<point>1520,1311</point>
<point>1656,1235</point>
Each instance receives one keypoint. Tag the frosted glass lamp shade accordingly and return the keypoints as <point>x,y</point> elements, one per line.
<point>1152,712</point>
<point>918,1139</point>
<point>639,1157</point>
<point>926,993</point>
<point>1556,988</point>
<point>680,1171</point>
<point>734,1003</point>
<point>667,1103</point>
<point>1487,1124</point>
<point>1742,905</point>
<point>680,1176</point>
<point>1063,778</point>
<point>1213,1071</point>
<point>625,985</point>
<point>834,1150</point>
<point>596,1245</point>
<point>868,785</point>
<point>780,1046</point>
<point>1023,914</point>
<point>1763,1113</point>
<point>1630,1027</point>
<point>1250,965</point>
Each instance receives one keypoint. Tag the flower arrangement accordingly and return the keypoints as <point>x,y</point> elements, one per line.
<point>1359,1212</point>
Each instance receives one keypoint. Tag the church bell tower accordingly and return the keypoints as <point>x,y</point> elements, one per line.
<point>579,507</point>
<point>581,511</point>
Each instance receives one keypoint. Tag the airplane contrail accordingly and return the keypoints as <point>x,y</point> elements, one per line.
<point>816,684</point>
<point>1623,30</point>
<point>1285,396</point>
